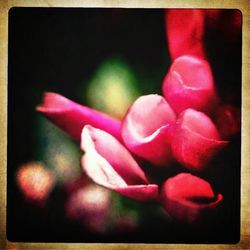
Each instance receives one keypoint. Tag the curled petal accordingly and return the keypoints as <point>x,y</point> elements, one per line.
<point>71,116</point>
<point>228,120</point>
<point>188,198</point>
<point>146,129</point>
<point>196,140</point>
<point>108,163</point>
<point>185,30</point>
<point>189,84</point>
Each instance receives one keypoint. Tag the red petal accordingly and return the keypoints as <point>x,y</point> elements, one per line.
<point>196,140</point>
<point>228,120</point>
<point>146,129</point>
<point>188,198</point>
<point>185,29</point>
<point>108,163</point>
<point>189,84</point>
<point>71,117</point>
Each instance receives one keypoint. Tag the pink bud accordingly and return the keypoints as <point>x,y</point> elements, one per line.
<point>108,163</point>
<point>71,116</point>
<point>196,140</point>
<point>189,84</point>
<point>188,198</point>
<point>146,129</point>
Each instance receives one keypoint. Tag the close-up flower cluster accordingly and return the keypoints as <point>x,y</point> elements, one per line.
<point>153,152</point>
<point>179,127</point>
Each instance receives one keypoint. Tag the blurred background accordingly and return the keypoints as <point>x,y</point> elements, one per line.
<point>103,58</point>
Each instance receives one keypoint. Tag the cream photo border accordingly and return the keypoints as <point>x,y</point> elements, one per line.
<point>242,5</point>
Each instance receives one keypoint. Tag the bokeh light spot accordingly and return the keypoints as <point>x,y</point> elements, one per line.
<point>35,181</point>
<point>113,87</point>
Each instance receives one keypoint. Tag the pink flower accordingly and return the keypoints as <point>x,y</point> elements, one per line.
<point>71,116</point>
<point>146,129</point>
<point>189,198</point>
<point>189,84</point>
<point>196,140</point>
<point>149,130</point>
<point>158,131</point>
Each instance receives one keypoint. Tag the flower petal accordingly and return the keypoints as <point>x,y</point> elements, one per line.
<point>228,120</point>
<point>146,129</point>
<point>188,198</point>
<point>71,116</point>
<point>196,140</point>
<point>189,84</point>
<point>185,29</point>
<point>140,192</point>
<point>108,163</point>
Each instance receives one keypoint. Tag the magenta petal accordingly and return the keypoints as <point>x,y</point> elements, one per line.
<point>189,84</point>
<point>108,163</point>
<point>71,116</point>
<point>146,129</point>
<point>185,30</point>
<point>196,140</point>
<point>189,198</point>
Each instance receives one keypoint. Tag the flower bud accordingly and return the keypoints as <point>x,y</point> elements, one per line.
<point>189,84</point>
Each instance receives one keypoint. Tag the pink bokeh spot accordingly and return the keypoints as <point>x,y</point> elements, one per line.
<point>35,181</point>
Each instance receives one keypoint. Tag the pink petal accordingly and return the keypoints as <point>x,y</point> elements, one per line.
<point>146,129</point>
<point>228,120</point>
<point>189,198</point>
<point>196,140</point>
<point>71,116</point>
<point>108,163</point>
<point>185,29</point>
<point>189,84</point>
